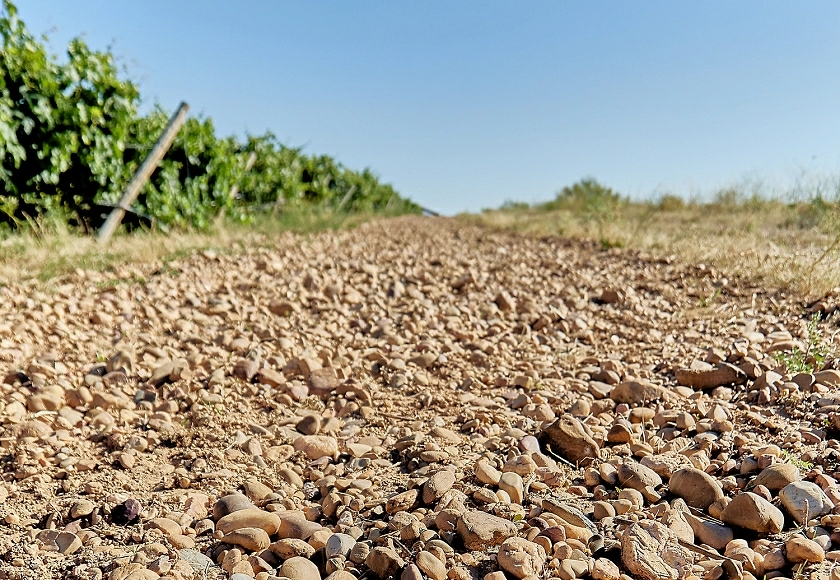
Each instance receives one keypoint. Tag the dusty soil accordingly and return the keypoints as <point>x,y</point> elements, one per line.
<point>414,398</point>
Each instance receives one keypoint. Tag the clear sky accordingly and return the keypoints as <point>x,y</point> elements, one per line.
<point>463,105</point>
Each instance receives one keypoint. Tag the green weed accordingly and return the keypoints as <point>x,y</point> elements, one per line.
<point>798,462</point>
<point>814,355</point>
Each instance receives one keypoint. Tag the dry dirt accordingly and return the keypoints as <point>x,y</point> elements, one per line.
<point>414,398</point>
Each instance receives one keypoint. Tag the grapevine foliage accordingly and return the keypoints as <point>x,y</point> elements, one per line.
<point>71,138</point>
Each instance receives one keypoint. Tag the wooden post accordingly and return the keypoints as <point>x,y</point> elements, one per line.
<point>143,174</point>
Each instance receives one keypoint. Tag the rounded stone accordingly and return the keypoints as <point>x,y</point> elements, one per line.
<point>753,512</point>
<point>431,565</point>
<point>299,568</point>
<point>697,488</point>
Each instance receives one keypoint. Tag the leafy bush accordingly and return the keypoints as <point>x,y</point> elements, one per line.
<point>70,140</point>
<point>815,353</point>
<point>587,196</point>
<point>62,127</point>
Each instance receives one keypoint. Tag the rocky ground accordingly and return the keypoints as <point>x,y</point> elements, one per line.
<point>414,398</point>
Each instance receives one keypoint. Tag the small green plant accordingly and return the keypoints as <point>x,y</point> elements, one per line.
<point>706,301</point>
<point>797,461</point>
<point>814,355</point>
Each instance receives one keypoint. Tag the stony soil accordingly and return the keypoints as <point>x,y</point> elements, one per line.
<point>413,398</point>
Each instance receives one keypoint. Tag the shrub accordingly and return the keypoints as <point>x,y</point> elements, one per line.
<point>70,140</point>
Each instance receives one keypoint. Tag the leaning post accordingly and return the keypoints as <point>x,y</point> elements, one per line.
<point>143,174</point>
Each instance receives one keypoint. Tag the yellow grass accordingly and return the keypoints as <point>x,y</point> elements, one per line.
<point>49,250</point>
<point>788,246</point>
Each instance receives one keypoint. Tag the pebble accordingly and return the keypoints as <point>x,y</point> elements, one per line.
<point>652,552</point>
<point>777,476</point>
<point>251,539</point>
<point>339,545</point>
<point>229,504</point>
<point>487,474</point>
<point>249,518</point>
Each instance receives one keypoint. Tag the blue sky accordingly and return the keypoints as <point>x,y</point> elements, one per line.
<point>463,105</point>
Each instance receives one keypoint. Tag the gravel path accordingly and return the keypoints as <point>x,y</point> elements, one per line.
<point>414,398</point>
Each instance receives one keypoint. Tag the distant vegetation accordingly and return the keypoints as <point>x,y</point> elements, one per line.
<point>788,237</point>
<point>71,137</point>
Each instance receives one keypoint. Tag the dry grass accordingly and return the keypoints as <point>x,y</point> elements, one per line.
<point>50,250</point>
<point>791,246</point>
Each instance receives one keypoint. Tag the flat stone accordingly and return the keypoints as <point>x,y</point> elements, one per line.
<point>437,485</point>
<point>197,560</point>
<point>650,551</point>
<point>521,558</point>
<point>569,439</point>
<point>804,500</point>
<point>61,542</point>
<point>384,562</point>
<point>480,530</point>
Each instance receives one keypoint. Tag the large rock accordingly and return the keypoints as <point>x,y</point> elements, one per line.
<point>804,500</point>
<point>384,562</point>
<point>697,488</point>
<point>777,476</point>
<point>753,512</point>
<point>801,549</point>
<point>651,551</point>
<point>521,558</point>
<point>637,392</point>
<point>569,439</point>
<point>481,530</point>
